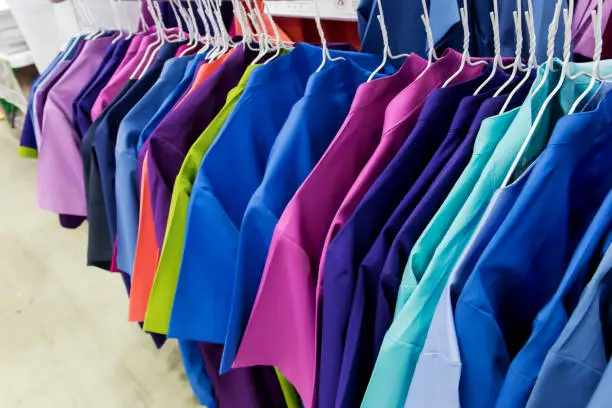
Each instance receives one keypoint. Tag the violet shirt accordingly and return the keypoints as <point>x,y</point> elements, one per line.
<point>83,104</point>
<point>244,387</point>
<point>400,117</point>
<point>40,98</point>
<point>282,330</point>
<point>60,185</point>
<point>171,140</point>
<point>356,254</point>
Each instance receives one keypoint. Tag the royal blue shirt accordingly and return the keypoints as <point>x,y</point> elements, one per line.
<point>230,173</point>
<point>551,320</point>
<point>312,124</point>
<point>524,263</point>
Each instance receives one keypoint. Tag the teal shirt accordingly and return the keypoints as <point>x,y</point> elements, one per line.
<point>439,247</point>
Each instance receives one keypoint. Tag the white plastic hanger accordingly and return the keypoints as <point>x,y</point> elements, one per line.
<point>385,37</point>
<point>531,62</point>
<point>113,5</point>
<point>260,34</point>
<point>465,57</point>
<point>567,18</point>
<point>517,65</point>
<point>192,27</point>
<point>326,56</point>
<point>597,17</point>
<point>152,49</point>
<point>207,39</point>
<point>279,43</point>
<point>431,52</point>
<point>497,59</point>
<point>247,33</point>
<point>553,28</point>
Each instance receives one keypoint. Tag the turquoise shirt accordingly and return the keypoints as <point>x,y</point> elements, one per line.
<point>439,247</point>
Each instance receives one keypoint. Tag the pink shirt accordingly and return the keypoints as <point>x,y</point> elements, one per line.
<point>282,330</point>
<point>128,65</point>
<point>60,186</point>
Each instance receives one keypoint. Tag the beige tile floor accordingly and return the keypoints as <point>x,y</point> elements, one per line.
<point>64,338</point>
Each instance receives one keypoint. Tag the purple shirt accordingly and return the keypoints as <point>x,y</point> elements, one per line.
<point>60,184</point>
<point>407,176</point>
<point>42,93</point>
<point>243,387</point>
<point>171,140</point>
<point>90,92</point>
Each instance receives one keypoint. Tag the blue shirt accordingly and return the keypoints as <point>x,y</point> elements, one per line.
<point>356,237</point>
<point>551,320</point>
<point>601,397</point>
<point>126,157</point>
<point>575,364</point>
<point>404,25</point>
<point>173,97</point>
<point>221,192</point>
<point>312,124</point>
<point>513,280</point>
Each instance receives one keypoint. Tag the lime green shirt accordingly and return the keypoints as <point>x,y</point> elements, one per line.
<point>439,247</point>
<point>157,317</point>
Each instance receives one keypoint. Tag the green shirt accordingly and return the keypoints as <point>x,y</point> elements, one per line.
<point>439,247</point>
<point>161,298</point>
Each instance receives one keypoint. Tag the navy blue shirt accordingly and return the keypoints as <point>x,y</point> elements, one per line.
<point>106,133</point>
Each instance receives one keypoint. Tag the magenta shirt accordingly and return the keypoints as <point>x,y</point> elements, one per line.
<point>128,65</point>
<point>60,186</point>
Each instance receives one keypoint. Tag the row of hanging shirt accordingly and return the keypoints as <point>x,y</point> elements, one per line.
<point>382,237</point>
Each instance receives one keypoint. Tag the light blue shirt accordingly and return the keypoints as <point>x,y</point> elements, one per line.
<point>576,362</point>
<point>126,157</point>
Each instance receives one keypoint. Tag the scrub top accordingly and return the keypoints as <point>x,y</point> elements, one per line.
<point>81,107</point>
<point>309,129</point>
<point>513,281</point>
<point>167,273</point>
<point>59,175</point>
<point>28,143</point>
<point>221,194</point>
<point>105,138</point>
<point>99,242</point>
<point>440,358</point>
<point>133,57</point>
<point>576,363</point>
<point>296,247</point>
<point>438,248</point>
<point>351,244</point>
<point>166,150</point>
<point>126,157</point>
<point>601,397</point>
<point>343,160</point>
